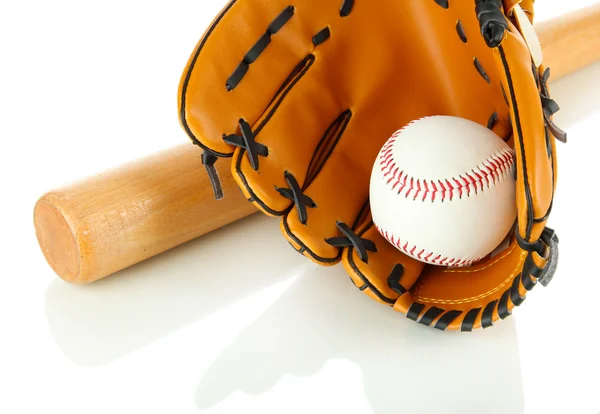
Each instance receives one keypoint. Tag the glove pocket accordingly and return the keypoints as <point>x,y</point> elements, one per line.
<point>459,299</point>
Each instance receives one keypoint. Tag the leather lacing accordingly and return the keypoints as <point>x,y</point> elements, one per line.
<point>550,108</point>
<point>247,141</point>
<point>209,160</point>
<point>295,194</point>
<point>492,21</point>
<point>259,47</point>
<point>493,25</point>
<point>529,278</point>
<point>394,280</point>
<point>346,8</point>
<point>351,239</point>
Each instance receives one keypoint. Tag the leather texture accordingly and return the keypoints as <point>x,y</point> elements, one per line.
<point>301,95</point>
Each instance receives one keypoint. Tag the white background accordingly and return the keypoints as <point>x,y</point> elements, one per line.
<point>88,85</point>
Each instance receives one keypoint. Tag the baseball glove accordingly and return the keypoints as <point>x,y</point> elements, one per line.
<point>302,95</point>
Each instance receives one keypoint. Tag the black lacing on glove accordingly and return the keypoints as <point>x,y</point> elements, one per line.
<point>209,160</point>
<point>247,141</point>
<point>394,280</point>
<point>294,193</point>
<point>492,21</point>
<point>351,239</point>
<point>550,108</point>
<point>538,246</point>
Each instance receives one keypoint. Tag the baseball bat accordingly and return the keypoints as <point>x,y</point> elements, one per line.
<point>106,223</point>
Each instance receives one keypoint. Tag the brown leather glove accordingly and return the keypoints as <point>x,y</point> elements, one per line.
<point>301,95</point>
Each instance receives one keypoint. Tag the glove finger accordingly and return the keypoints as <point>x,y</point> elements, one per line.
<point>239,66</point>
<point>341,186</point>
<point>302,120</point>
<point>535,164</point>
<point>385,274</point>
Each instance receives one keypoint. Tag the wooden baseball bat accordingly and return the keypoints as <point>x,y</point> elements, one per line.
<point>108,222</point>
<point>571,42</point>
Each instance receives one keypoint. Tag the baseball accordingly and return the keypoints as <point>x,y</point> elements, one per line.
<point>443,191</point>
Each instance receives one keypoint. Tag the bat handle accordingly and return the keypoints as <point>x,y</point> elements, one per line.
<point>103,224</point>
<point>571,42</point>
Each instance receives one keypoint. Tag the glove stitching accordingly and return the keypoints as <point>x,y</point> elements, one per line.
<point>469,320</point>
<point>246,141</point>
<point>394,279</point>
<point>432,314</point>
<point>259,47</point>
<point>419,289</point>
<point>481,70</point>
<point>446,319</point>
<point>295,194</point>
<point>487,266</point>
<point>443,3</point>
<point>209,160</point>
<point>351,239</point>
<point>466,300</point>
<point>461,32</point>
<point>346,8</point>
<point>321,37</point>
<point>493,121</point>
<point>505,96</point>
<point>503,310</point>
<point>488,314</point>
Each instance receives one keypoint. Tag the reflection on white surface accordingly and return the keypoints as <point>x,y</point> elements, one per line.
<point>321,319</point>
<point>578,96</point>
<point>99,323</point>
<point>90,85</point>
<point>405,366</point>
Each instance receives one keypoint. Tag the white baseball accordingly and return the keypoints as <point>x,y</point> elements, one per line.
<point>443,191</point>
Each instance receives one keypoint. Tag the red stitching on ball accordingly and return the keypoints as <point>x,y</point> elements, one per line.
<point>479,178</point>
<point>438,260</point>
